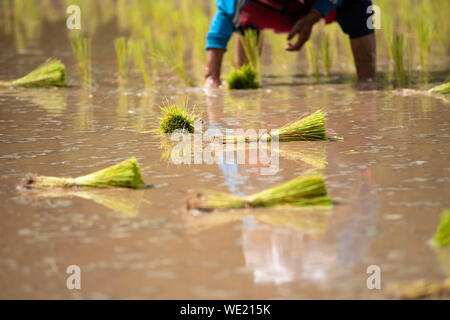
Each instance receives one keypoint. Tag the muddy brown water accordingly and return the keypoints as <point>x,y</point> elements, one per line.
<point>389,176</point>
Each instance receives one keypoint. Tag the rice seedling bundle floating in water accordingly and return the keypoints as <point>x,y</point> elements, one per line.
<point>309,128</point>
<point>442,89</point>
<point>442,235</point>
<point>306,190</point>
<point>52,73</point>
<point>244,78</point>
<point>175,118</point>
<point>123,175</point>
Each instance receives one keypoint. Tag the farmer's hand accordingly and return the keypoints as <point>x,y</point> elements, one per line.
<point>303,29</point>
<point>213,65</point>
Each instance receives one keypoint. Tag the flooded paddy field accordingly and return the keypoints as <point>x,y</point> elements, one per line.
<point>389,176</point>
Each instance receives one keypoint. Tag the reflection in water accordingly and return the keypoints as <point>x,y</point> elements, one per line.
<point>280,255</point>
<point>84,115</point>
<point>443,257</point>
<point>51,100</point>
<point>125,202</point>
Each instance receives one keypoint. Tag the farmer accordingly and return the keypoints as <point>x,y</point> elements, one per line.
<point>295,17</point>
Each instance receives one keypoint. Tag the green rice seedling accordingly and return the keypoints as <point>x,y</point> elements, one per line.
<point>50,74</point>
<point>172,55</point>
<point>326,53</point>
<point>200,28</point>
<point>409,57</point>
<point>120,46</point>
<point>124,175</point>
<point>310,128</point>
<point>306,190</point>
<point>137,48</point>
<point>424,31</point>
<point>397,55</point>
<point>251,41</point>
<point>313,60</point>
<point>175,118</point>
<point>442,235</point>
<point>81,48</point>
<point>442,89</point>
<point>244,78</point>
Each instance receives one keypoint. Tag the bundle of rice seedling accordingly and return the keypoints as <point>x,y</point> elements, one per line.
<point>306,190</point>
<point>442,89</point>
<point>244,78</point>
<point>175,118</point>
<point>442,235</point>
<point>125,175</point>
<point>52,73</point>
<point>310,128</point>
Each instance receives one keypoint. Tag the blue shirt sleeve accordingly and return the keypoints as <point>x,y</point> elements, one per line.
<point>325,6</point>
<point>225,21</point>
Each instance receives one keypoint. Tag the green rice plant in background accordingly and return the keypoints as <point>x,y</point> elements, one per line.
<point>313,59</point>
<point>326,53</point>
<point>425,37</point>
<point>120,46</point>
<point>397,56</point>
<point>306,190</point>
<point>81,48</point>
<point>172,55</point>
<point>126,174</point>
<point>251,41</point>
<point>137,48</point>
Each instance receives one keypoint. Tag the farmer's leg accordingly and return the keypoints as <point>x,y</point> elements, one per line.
<point>364,55</point>
<point>353,19</point>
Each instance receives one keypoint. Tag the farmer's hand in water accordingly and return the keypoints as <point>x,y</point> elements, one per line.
<point>303,29</point>
<point>213,65</point>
